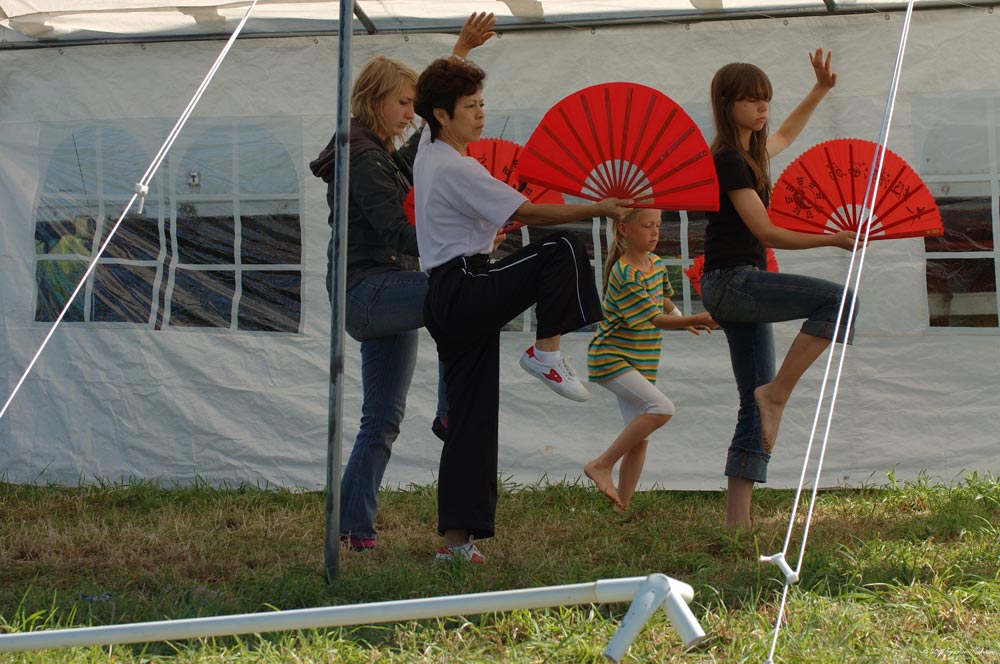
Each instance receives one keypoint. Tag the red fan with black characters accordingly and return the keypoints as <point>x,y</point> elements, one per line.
<point>823,191</point>
<point>500,157</point>
<point>698,267</point>
<point>622,140</point>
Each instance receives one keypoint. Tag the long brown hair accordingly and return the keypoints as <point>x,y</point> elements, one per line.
<point>378,79</point>
<point>617,246</point>
<point>735,82</point>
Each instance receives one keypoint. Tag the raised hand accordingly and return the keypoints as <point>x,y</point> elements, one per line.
<point>825,76</point>
<point>477,31</point>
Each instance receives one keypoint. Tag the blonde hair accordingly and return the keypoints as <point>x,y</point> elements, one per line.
<point>378,79</point>
<point>617,246</point>
<point>732,83</point>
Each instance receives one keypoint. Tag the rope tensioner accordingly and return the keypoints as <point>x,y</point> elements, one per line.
<point>778,559</point>
<point>142,190</point>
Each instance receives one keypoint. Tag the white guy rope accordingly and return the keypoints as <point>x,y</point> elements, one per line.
<point>141,189</point>
<point>871,193</point>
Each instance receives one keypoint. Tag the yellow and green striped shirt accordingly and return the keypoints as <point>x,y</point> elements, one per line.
<point>627,339</point>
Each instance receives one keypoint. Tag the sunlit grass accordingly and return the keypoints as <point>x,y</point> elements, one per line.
<point>908,573</point>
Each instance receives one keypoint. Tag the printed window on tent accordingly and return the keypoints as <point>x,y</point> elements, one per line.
<point>682,239</point>
<point>962,264</point>
<point>220,247</point>
<point>87,182</point>
<point>957,143</point>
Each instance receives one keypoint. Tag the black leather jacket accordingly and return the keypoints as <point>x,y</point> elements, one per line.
<point>379,237</point>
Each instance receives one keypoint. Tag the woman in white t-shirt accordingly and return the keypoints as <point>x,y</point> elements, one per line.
<point>460,213</point>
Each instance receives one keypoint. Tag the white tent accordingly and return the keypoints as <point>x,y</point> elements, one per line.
<point>200,345</point>
<point>80,20</point>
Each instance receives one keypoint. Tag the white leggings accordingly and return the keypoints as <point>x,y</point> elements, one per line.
<point>636,396</point>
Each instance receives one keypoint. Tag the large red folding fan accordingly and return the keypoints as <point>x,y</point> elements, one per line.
<point>500,157</point>
<point>698,268</point>
<point>823,191</point>
<point>622,140</point>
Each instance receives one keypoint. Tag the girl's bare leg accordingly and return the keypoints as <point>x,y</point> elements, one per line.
<point>772,397</point>
<point>636,431</point>
<point>738,503</point>
<point>629,472</point>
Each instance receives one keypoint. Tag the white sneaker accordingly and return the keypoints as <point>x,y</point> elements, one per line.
<point>465,553</point>
<point>558,376</point>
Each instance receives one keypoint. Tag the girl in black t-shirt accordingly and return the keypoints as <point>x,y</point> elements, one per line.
<point>736,288</point>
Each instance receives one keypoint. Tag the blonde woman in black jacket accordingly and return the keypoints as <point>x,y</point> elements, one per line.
<point>385,289</point>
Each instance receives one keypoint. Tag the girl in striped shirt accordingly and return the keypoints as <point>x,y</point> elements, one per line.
<point>624,355</point>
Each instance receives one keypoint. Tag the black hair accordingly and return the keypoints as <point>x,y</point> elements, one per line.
<point>441,85</point>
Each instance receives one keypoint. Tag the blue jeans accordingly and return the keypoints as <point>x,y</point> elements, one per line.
<point>383,312</point>
<point>745,301</point>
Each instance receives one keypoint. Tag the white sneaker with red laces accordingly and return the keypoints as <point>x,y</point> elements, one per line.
<point>463,553</point>
<point>558,376</point>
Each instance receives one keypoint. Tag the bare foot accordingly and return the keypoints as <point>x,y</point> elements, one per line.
<point>770,416</point>
<point>605,484</point>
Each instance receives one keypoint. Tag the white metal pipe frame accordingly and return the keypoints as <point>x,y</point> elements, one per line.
<point>646,594</point>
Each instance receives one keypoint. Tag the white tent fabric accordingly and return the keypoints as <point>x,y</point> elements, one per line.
<point>54,20</point>
<point>116,401</point>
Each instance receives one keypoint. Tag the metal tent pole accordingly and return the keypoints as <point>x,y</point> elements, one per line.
<point>331,547</point>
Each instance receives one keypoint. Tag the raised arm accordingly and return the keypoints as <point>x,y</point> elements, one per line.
<point>477,31</point>
<point>549,214</point>
<point>797,119</point>
<point>751,209</point>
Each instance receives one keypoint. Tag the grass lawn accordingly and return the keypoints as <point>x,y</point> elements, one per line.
<point>907,573</point>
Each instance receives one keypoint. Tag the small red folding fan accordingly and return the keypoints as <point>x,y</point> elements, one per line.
<point>410,207</point>
<point>698,266</point>
<point>823,191</point>
<point>622,140</point>
<point>500,158</point>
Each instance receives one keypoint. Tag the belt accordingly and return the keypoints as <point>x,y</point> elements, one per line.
<point>474,259</point>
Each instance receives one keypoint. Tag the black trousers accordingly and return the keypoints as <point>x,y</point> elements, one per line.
<point>468,301</point>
